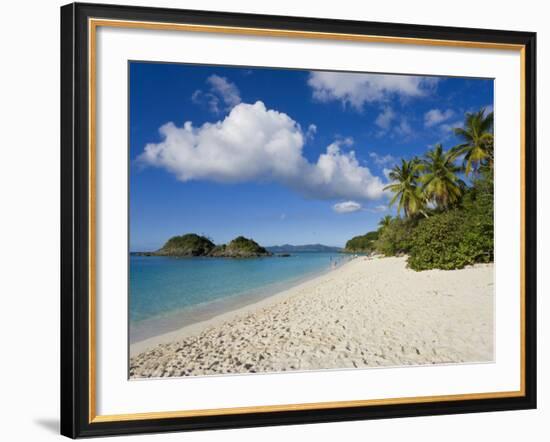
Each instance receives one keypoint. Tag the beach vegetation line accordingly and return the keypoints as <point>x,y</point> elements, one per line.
<point>446,198</point>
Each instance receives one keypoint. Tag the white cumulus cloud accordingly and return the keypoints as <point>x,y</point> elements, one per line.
<point>437,116</point>
<point>254,143</point>
<point>347,207</point>
<point>357,89</point>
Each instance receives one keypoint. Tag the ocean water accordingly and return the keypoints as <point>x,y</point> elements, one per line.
<point>169,293</point>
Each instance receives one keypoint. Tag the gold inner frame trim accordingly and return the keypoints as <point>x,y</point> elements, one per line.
<point>93,24</point>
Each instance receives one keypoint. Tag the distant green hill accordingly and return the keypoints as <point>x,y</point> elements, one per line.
<point>361,243</point>
<point>240,247</point>
<point>186,245</point>
<point>288,248</point>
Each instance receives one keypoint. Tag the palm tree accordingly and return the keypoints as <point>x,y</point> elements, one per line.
<point>384,222</point>
<point>477,135</point>
<point>405,188</point>
<point>440,182</point>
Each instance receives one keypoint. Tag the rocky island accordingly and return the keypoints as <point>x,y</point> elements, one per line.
<point>240,247</point>
<point>186,245</point>
<point>191,244</point>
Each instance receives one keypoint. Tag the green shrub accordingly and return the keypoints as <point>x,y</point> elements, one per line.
<point>439,243</point>
<point>459,237</point>
<point>395,239</point>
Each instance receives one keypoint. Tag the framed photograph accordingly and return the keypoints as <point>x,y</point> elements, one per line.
<point>279,220</point>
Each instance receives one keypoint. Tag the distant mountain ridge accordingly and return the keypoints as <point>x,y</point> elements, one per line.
<point>303,248</point>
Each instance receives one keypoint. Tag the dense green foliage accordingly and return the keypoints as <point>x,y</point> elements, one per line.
<point>445,239</point>
<point>458,237</point>
<point>384,222</point>
<point>187,245</point>
<point>447,223</point>
<point>396,238</point>
<point>362,243</point>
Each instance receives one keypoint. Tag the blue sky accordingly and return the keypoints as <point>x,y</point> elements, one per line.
<point>280,156</point>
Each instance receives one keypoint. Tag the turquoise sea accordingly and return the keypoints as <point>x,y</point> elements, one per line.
<point>169,293</point>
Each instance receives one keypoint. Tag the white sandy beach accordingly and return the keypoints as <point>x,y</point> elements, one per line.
<point>367,313</point>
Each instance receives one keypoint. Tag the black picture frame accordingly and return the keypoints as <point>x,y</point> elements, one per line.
<point>75,219</point>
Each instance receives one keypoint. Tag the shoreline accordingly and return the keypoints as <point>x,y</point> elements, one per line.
<point>369,312</point>
<point>235,309</point>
